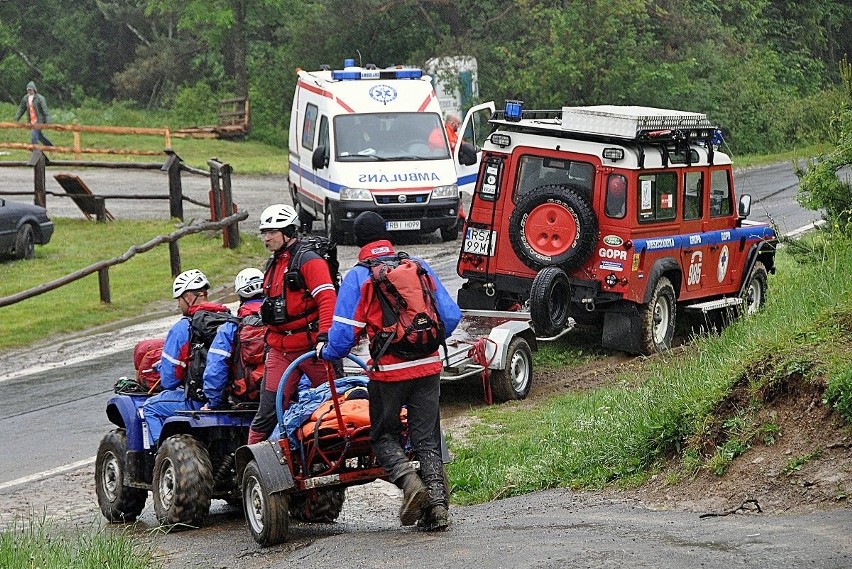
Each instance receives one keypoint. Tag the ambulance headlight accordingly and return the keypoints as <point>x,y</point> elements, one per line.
<point>451,191</point>
<point>356,194</point>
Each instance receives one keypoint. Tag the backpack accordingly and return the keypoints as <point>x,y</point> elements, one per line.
<point>323,247</point>
<point>247,367</point>
<point>203,326</point>
<point>411,326</point>
<point>146,361</point>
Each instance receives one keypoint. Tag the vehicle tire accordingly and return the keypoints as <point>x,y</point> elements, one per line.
<point>450,233</point>
<point>550,301</point>
<point>266,514</point>
<point>658,319</point>
<point>118,503</point>
<point>514,381</point>
<point>332,227</point>
<point>553,225</point>
<point>754,295</point>
<point>25,242</point>
<point>183,482</point>
<point>323,506</point>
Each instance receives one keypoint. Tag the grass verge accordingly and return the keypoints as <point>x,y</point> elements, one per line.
<point>42,544</point>
<point>588,439</point>
<point>141,284</point>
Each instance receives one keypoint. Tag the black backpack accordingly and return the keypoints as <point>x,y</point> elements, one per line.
<point>203,326</point>
<point>323,247</point>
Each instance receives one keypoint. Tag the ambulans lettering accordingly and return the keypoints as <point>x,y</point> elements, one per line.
<point>396,178</point>
<point>605,253</point>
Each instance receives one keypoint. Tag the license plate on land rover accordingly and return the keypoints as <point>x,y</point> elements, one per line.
<point>403,225</point>
<point>476,241</point>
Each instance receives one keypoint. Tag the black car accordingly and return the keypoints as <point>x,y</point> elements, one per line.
<point>21,227</point>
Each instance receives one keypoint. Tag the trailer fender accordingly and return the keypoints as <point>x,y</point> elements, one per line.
<point>501,336</point>
<point>273,467</point>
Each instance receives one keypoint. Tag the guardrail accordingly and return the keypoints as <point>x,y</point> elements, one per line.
<point>102,267</point>
<point>76,129</point>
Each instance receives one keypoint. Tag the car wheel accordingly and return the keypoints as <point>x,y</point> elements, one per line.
<point>332,228</point>
<point>550,301</point>
<point>25,242</point>
<point>515,379</point>
<point>183,482</point>
<point>118,502</point>
<point>450,233</point>
<point>658,319</point>
<point>323,506</point>
<point>553,225</point>
<point>266,514</point>
<point>754,295</point>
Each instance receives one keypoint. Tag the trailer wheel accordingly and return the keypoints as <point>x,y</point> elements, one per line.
<point>183,482</point>
<point>553,225</point>
<point>550,301</point>
<point>754,295</point>
<point>324,506</point>
<point>118,503</point>
<point>515,379</point>
<point>658,319</point>
<point>266,514</point>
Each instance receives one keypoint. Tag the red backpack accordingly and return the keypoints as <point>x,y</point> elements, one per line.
<point>411,326</point>
<point>146,360</point>
<point>249,351</point>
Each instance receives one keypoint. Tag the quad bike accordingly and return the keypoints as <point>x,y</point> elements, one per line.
<point>307,481</point>
<point>193,463</point>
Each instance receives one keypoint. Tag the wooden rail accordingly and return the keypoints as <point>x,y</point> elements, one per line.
<point>102,267</point>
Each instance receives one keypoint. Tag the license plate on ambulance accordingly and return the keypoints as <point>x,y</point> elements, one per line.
<point>476,241</point>
<point>403,225</point>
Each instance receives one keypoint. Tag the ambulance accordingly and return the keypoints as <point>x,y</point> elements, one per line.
<point>370,139</point>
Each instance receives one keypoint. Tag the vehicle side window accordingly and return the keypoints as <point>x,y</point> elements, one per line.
<point>536,171</point>
<point>616,196</point>
<point>309,127</point>
<point>693,194</point>
<point>657,197</point>
<point>323,132</point>
<point>720,194</point>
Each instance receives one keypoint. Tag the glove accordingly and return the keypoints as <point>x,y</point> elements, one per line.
<point>322,339</point>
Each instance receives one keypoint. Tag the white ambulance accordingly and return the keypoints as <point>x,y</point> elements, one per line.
<point>363,138</point>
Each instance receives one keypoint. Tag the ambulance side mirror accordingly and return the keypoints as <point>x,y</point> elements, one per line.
<point>467,154</point>
<point>319,160</point>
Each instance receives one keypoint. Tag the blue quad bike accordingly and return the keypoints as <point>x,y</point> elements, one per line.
<point>193,464</point>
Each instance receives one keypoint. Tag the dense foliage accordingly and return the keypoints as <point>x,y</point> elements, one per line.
<point>766,70</point>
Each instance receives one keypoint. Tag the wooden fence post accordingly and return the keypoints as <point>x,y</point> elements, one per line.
<point>38,161</point>
<point>103,285</point>
<point>232,232</point>
<point>172,165</point>
<point>174,257</point>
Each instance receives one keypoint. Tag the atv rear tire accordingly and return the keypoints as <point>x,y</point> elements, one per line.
<point>118,503</point>
<point>266,514</point>
<point>183,482</point>
<point>553,225</point>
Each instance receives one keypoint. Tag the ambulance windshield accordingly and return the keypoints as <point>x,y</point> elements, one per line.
<point>389,137</point>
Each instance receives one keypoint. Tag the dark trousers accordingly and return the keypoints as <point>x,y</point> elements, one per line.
<point>421,397</point>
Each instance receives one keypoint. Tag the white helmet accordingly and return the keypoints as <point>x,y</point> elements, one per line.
<point>278,216</point>
<point>192,279</point>
<point>249,282</point>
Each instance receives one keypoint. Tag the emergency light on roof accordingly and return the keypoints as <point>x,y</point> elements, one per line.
<point>514,110</point>
<point>631,122</point>
<point>352,73</point>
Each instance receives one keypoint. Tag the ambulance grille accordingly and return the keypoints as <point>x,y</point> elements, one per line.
<point>407,199</point>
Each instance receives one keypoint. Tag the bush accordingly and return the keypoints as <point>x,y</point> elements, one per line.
<point>838,394</point>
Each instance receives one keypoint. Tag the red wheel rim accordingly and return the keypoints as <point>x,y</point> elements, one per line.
<point>550,229</point>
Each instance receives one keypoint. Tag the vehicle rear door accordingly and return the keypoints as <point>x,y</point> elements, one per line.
<point>474,129</point>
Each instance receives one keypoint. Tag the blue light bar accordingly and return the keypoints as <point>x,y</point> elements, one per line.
<point>513,110</point>
<point>409,73</point>
<point>348,63</point>
<point>345,75</point>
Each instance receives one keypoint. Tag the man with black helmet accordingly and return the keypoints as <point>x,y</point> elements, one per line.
<point>298,305</point>
<point>397,382</point>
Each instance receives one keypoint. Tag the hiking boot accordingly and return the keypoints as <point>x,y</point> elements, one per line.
<point>414,496</point>
<point>434,518</point>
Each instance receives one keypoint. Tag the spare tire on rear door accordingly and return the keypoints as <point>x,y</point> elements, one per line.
<point>553,226</point>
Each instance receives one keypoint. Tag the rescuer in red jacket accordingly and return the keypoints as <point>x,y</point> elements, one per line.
<point>298,307</point>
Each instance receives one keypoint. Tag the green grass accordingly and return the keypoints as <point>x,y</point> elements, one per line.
<point>246,157</point>
<point>42,544</point>
<point>592,438</point>
<point>141,284</point>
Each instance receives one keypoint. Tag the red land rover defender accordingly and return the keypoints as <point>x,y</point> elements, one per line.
<point>611,215</point>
